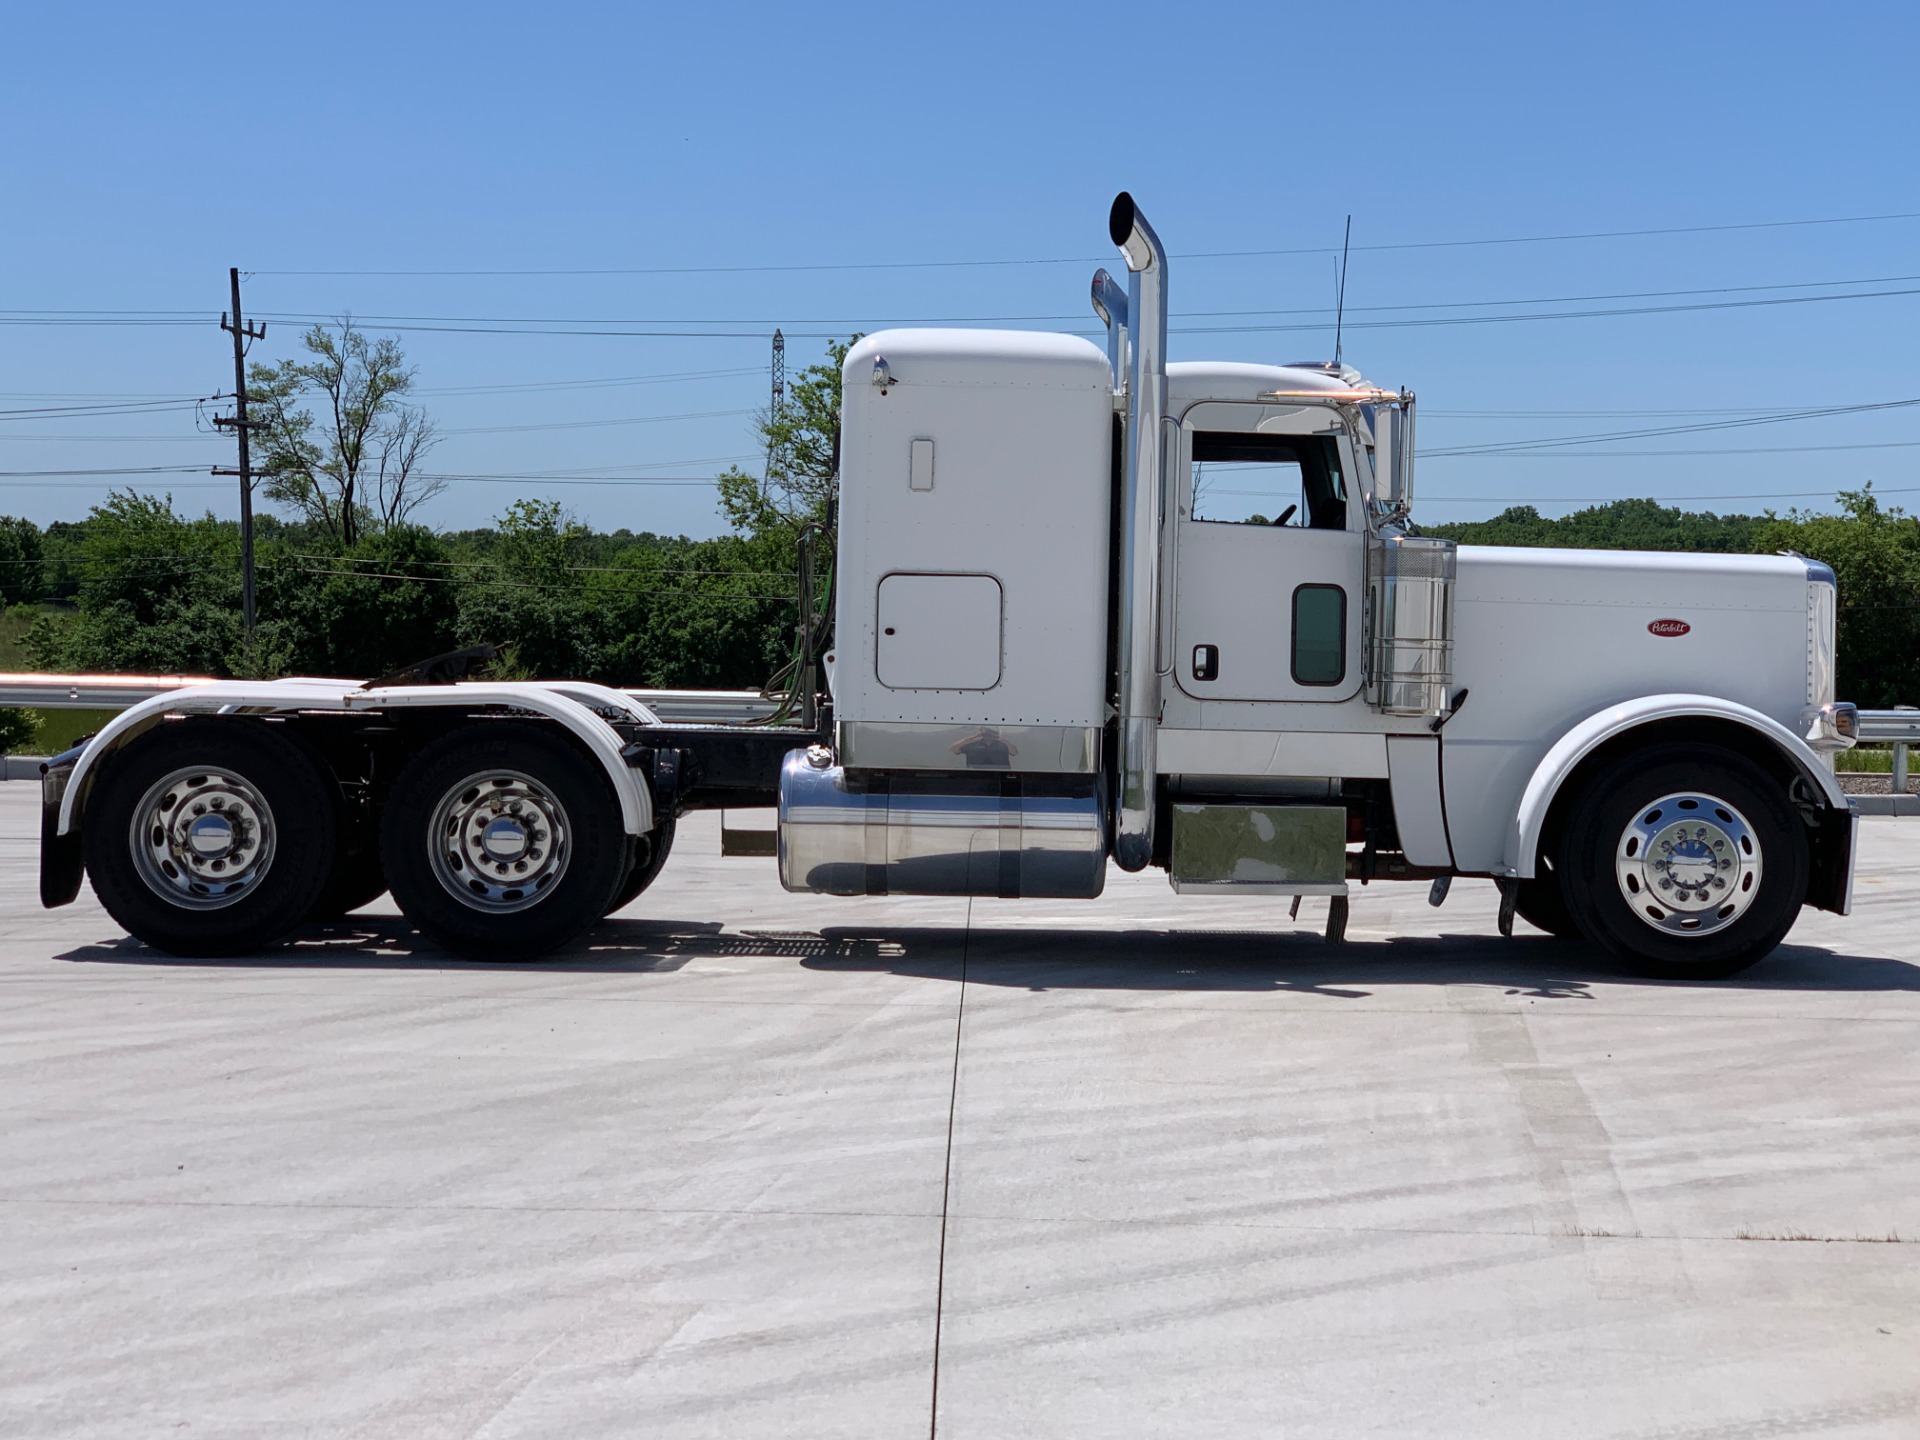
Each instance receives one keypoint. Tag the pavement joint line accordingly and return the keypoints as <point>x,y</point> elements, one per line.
<point>1381,1011</point>
<point>1156,1222</point>
<point>331,1205</point>
<point>946,1179</point>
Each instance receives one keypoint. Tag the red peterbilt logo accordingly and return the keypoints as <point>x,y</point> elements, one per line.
<point>1668,627</point>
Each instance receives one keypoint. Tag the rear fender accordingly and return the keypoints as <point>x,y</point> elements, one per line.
<point>566,704</point>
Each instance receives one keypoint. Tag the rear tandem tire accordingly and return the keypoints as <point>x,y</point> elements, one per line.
<point>1704,817</point>
<point>502,841</point>
<point>240,884</point>
<point>355,880</point>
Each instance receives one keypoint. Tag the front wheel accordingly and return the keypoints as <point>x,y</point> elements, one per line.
<point>1685,861</point>
<point>502,841</point>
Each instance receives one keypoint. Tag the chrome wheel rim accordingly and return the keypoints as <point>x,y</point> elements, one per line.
<point>1688,864</point>
<point>499,841</point>
<point>202,838</point>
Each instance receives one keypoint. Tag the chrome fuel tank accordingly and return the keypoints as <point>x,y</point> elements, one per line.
<point>892,833</point>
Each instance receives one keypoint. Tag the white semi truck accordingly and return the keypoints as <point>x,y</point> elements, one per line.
<point>1091,608</point>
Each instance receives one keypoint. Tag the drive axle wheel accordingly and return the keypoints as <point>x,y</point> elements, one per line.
<point>502,841</point>
<point>209,837</point>
<point>1685,861</point>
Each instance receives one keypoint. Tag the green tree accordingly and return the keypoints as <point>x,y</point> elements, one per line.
<point>365,609</point>
<point>1621,525</point>
<point>529,596</point>
<point>1875,555</point>
<point>355,466</point>
<point>802,437</point>
<point>155,592</point>
<point>18,726</point>
<point>23,577</point>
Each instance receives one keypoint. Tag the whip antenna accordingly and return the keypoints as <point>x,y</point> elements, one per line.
<point>1340,304</point>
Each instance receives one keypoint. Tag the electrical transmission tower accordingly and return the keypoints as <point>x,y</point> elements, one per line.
<point>242,333</point>
<point>776,452</point>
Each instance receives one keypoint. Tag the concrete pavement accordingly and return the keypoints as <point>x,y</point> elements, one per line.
<point>756,1164</point>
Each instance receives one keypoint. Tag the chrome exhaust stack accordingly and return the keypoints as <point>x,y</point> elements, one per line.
<point>1110,304</point>
<point>1142,509</point>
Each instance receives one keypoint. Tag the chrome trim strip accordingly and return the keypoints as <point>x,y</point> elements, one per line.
<point>1014,749</point>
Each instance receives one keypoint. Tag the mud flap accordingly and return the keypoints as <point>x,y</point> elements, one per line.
<point>1509,902</point>
<point>61,862</point>
<point>1337,920</point>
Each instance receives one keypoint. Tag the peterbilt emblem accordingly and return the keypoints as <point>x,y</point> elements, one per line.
<point>1668,627</point>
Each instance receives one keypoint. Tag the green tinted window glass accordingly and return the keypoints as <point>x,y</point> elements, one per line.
<point>1319,635</point>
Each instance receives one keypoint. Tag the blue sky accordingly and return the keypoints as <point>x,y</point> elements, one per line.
<point>147,149</point>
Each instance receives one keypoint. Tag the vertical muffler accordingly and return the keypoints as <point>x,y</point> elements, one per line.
<point>1142,507</point>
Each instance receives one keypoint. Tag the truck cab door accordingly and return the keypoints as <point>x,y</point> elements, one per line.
<point>1269,556</point>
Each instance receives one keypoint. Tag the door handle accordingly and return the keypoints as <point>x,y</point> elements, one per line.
<point>1206,662</point>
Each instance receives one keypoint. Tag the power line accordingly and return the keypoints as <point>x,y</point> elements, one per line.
<point>1555,441</point>
<point>383,320</point>
<point>151,407</point>
<point>1096,259</point>
<point>671,377</point>
<point>1615,499</point>
<point>596,424</point>
<point>114,470</point>
<point>1702,454</point>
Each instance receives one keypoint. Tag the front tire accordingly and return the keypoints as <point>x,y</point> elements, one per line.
<point>209,837</point>
<point>1686,862</point>
<point>501,841</point>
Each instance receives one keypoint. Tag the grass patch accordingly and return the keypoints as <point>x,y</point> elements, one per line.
<point>1892,1237</point>
<point>1866,760</point>
<point>60,728</point>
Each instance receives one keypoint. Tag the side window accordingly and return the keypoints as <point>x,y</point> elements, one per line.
<point>1319,635</point>
<point>1251,479</point>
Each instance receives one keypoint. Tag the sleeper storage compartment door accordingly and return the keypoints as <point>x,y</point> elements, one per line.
<point>938,632</point>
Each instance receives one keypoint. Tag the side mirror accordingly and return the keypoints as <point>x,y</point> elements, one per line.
<point>1393,456</point>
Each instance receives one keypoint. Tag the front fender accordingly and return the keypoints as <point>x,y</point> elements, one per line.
<point>1523,840</point>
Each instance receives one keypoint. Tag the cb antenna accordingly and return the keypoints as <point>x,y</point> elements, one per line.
<point>1340,304</point>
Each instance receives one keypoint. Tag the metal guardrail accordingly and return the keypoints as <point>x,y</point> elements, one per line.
<point>117,692</point>
<point>1901,725</point>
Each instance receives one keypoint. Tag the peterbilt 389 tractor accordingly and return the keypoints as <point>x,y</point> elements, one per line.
<point>1089,608</point>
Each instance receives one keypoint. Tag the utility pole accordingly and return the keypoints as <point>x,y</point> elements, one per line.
<point>242,332</point>
<point>774,455</point>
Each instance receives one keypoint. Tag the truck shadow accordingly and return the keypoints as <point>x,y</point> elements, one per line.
<point>1287,961</point>
<point>1042,960</point>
